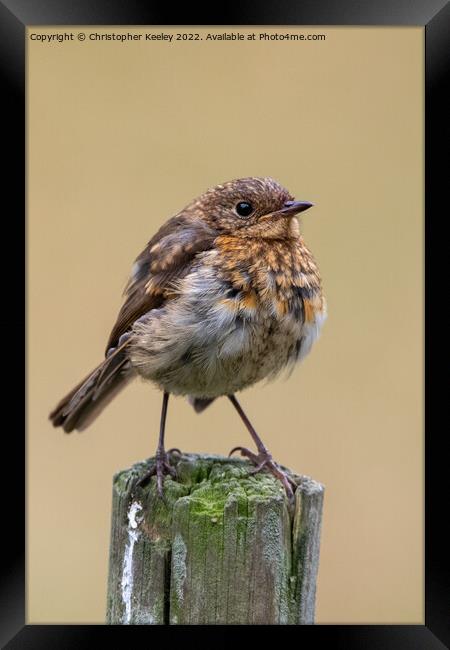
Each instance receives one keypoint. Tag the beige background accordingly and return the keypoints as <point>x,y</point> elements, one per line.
<point>122,135</point>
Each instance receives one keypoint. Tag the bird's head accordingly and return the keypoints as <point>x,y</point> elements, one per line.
<point>250,207</point>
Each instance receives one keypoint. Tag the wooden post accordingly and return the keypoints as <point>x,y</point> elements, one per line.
<point>225,546</point>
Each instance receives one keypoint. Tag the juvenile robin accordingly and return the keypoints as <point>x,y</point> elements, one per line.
<point>224,295</point>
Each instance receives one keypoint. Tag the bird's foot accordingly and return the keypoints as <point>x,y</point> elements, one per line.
<point>161,468</point>
<point>264,460</point>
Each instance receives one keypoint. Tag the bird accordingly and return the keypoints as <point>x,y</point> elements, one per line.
<point>224,295</point>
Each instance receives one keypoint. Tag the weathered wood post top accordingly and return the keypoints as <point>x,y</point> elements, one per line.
<point>225,547</point>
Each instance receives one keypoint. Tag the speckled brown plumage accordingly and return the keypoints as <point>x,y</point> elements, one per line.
<point>224,295</point>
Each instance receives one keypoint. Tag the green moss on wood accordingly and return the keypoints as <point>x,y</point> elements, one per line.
<point>218,549</point>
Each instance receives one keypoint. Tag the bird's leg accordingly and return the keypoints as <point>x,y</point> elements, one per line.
<point>162,465</point>
<point>263,459</point>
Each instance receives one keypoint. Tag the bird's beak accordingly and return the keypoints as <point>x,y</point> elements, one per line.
<point>290,209</point>
<point>294,207</point>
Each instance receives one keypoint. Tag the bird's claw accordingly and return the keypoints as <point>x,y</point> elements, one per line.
<point>174,450</point>
<point>245,452</point>
<point>161,468</point>
<point>264,460</point>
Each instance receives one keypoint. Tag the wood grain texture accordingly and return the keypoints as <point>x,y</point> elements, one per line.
<point>225,547</point>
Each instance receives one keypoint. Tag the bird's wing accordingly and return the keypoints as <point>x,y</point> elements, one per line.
<point>166,258</point>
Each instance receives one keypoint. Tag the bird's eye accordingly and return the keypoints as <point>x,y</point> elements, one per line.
<point>244,209</point>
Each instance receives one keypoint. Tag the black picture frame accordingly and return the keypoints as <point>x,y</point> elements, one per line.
<point>15,16</point>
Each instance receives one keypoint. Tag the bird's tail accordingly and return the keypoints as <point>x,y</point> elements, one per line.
<point>200,403</point>
<point>86,401</point>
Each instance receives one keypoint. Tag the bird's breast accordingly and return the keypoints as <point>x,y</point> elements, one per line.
<point>234,322</point>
